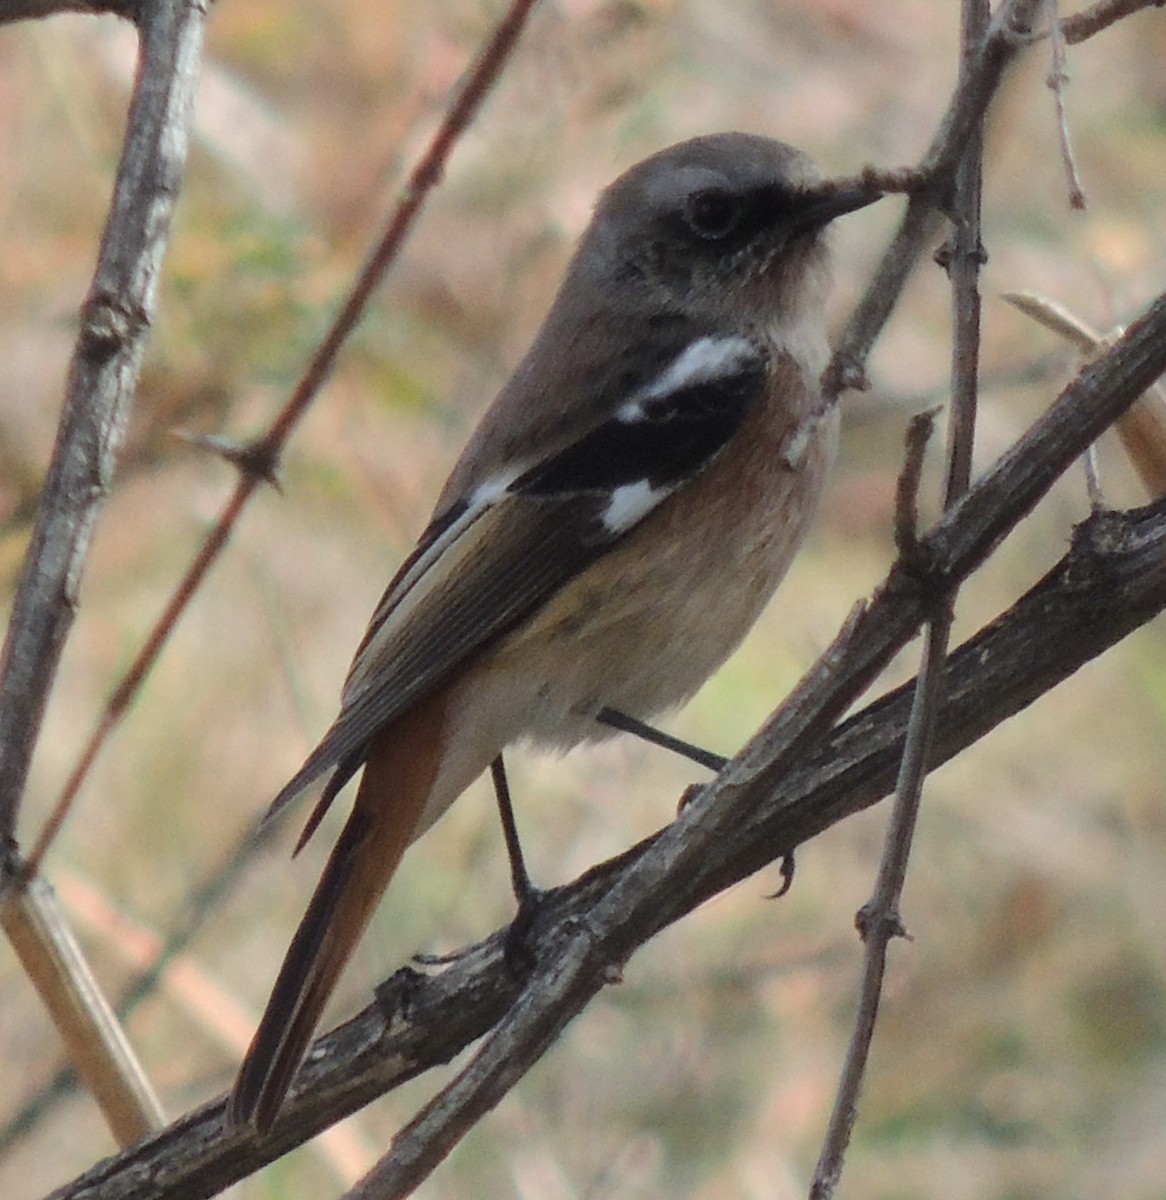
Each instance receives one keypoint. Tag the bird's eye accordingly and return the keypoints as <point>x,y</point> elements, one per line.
<point>713,213</point>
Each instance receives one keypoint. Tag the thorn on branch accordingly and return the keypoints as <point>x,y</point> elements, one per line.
<point>945,252</point>
<point>846,372</point>
<point>397,994</point>
<point>108,322</point>
<point>689,796</point>
<point>919,432</point>
<point>1019,31</point>
<point>258,460</point>
<point>871,919</point>
<point>1097,541</point>
<point>787,876</point>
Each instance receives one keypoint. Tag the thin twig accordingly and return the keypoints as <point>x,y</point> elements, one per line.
<point>203,900</point>
<point>48,951</point>
<point>1007,35</point>
<point>879,920</point>
<point>1057,81</point>
<point>1092,20</point>
<point>267,449</point>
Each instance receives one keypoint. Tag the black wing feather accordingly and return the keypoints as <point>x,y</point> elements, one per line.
<point>676,435</point>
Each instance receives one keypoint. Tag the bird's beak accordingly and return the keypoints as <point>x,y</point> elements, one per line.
<point>826,201</point>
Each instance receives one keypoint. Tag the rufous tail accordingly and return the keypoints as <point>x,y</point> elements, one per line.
<point>398,776</point>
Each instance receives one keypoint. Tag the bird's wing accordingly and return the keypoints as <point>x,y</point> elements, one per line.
<point>495,556</point>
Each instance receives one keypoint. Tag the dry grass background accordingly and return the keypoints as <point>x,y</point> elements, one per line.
<point>1022,1050</point>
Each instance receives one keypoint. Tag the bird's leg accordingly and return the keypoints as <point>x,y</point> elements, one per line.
<point>649,733</point>
<point>518,954</point>
<point>524,891</point>
<point>705,758</point>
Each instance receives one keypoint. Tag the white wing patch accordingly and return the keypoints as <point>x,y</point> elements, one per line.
<point>491,490</point>
<point>705,360</point>
<point>631,503</point>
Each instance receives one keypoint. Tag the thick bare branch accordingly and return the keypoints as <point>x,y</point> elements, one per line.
<point>102,380</point>
<point>103,375</point>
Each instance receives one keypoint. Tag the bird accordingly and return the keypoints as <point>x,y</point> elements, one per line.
<point>617,521</point>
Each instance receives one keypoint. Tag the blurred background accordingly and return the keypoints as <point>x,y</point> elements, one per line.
<point>1022,1046</point>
